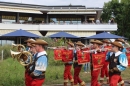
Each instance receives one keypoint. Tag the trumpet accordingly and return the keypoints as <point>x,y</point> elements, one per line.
<point>58,47</point>
<point>97,50</point>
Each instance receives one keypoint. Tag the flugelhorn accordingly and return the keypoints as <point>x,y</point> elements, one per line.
<point>25,57</point>
<point>19,47</point>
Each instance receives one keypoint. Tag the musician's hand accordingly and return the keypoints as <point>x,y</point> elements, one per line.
<point>65,62</point>
<point>110,50</point>
<point>115,69</point>
<point>98,51</point>
<point>28,66</point>
<point>75,61</point>
<point>111,70</point>
<point>32,75</point>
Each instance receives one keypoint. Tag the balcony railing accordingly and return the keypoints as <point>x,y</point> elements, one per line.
<point>59,27</point>
<point>60,23</point>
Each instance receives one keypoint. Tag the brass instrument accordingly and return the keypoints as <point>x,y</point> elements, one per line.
<point>19,47</point>
<point>58,47</point>
<point>22,56</point>
<point>100,50</point>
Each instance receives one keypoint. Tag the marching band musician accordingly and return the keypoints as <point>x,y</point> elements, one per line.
<point>77,67</point>
<point>122,42</point>
<point>29,41</point>
<point>34,53</point>
<point>67,71</point>
<point>117,63</point>
<point>104,69</point>
<point>38,67</point>
<point>95,72</point>
<point>124,51</point>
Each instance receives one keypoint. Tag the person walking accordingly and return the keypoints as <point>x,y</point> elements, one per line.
<point>38,68</point>
<point>68,65</point>
<point>77,67</point>
<point>117,63</point>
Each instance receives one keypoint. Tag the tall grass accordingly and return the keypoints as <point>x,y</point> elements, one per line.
<point>11,73</point>
<point>6,50</point>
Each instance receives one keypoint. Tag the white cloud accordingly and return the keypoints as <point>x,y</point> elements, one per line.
<point>87,3</point>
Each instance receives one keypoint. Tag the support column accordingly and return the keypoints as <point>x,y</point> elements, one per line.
<point>82,19</point>
<point>0,17</point>
<point>33,19</point>
<point>17,18</point>
<point>47,19</point>
<point>85,17</point>
<point>98,14</point>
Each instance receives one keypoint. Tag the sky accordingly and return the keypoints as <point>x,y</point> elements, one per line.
<point>87,3</point>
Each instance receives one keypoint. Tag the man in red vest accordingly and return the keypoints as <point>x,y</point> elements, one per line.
<point>28,47</point>
<point>68,65</point>
<point>95,72</point>
<point>77,67</point>
<point>104,70</point>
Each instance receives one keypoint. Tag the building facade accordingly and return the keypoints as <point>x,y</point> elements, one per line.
<point>47,20</point>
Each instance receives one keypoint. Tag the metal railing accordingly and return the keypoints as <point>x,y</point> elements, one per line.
<point>61,23</point>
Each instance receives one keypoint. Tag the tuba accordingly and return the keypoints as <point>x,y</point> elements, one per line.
<point>22,56</point>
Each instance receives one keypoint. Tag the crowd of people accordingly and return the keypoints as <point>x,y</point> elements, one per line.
<point>97,21</point>
<point>115,59</point>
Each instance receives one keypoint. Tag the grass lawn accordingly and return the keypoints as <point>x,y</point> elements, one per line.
<point>12,73</point>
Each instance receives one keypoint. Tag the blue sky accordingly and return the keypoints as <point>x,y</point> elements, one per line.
<point>87,3</point>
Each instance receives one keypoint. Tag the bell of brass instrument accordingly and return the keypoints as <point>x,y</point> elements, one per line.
<point>22,56</point>
<point>19,47</point>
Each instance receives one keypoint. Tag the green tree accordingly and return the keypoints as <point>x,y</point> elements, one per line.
<point>121,12</point>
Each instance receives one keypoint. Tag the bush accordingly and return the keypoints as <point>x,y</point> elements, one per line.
<point>6,51</point>
<point>55,42</point>
<point>49,41</point>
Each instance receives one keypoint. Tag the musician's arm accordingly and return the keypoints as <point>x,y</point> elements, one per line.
<point>125,50</point>
<point>75,57</point>
<point>41,66</point>
<point>108,55</point>
<point>123,62</point>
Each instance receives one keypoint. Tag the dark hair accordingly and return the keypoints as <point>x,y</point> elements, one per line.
<point>44,47</point>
